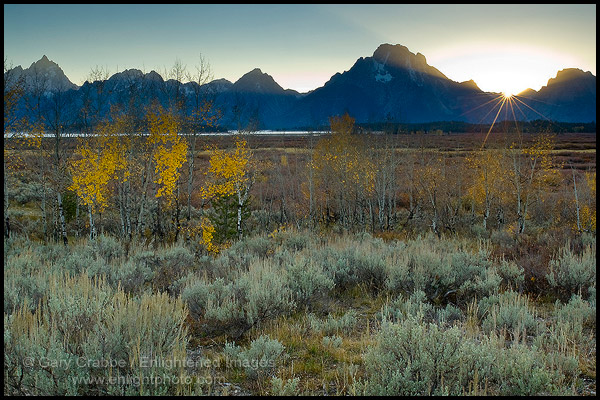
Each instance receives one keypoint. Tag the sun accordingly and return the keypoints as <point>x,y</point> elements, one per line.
<point>507,94</point>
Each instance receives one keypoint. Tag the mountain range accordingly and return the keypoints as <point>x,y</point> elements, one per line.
<point>392,85</point>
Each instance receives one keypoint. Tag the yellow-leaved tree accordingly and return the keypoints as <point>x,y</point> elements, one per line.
<point>488,179</point>
<point>169,153</point>
<point>230,177</point>
<point>344,175</point>
<point>532,169</point>
<point>97,160</point>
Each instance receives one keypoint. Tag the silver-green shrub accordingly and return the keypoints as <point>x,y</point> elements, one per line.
<point>307,281</point>
<point>509,310</point>
<point>107,247</point>
<point>418,358</point>
<point>572,324</point>
<point>414,358</point>
<point>267,292</point>
<point>332,325</point>
<point>442,271</point>
<point>417,306</point>
<point>287,388</point>
<point>256,295</point>
<point>86,335</point>
<point>331,341</point>
<point>512,274</point>
<point>259,360</point>
<point>572,273</point>
<point>348,266</point>
<point>217,305</point>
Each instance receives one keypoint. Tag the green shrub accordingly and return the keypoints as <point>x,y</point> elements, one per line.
<point>332,325</point>
<point>509,310</point>
<point>294,241</point>
<point>256,295</point>
<point>25,282</point>
<point>174,262</point>
<point>332,341</point>
<point>571,324</point>
<point>349,266</point>
<point>259,360</point>
<point>412,359</point>
<point>258,246</point>
<point>132,275</point>
<point>218,306</point>
<point>78,260</point>
<point>418,358</point>
<point>571,273</point>
<point>85,333</point>
<point>416,306</point>
<point>512,275</point>
<point>442,271</point>
<point>307,281</point>
<point>287,388</point>
<point>107,247</point>
<point>267,292</point>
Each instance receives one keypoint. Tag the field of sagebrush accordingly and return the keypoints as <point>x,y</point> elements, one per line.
<point>298,312</point>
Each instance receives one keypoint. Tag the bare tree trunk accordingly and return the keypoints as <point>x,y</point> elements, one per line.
<point>76,216</point>
<point>191,176</point>
<point>92,226</point>
<point>7,228</point>
<point>158,226</point>
<point>177,212</point>
<point>576,201</point>
<point>128,209</point>
<point>43,207</point>
<point>486,215</point>
<point>121,210</point>
<point>61,215</point>
<point>239,220</point>
<point>140,222</point>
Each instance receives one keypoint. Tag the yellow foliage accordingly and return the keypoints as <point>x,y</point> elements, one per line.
<point>489,173</point>
<point>590,178</point>
<point>97,161</point>
<point>229,171</point>
<point>540,153</point>
<point>169,151</point>
<point>342,159</point>
<point>208,232</point>
<point>588,219</point>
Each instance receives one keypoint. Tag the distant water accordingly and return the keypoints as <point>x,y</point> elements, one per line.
<point>228,133</point>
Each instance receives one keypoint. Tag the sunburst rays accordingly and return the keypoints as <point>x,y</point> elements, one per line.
<point>513,107</point>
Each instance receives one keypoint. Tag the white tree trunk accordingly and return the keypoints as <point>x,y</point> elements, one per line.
<point>61,216</point>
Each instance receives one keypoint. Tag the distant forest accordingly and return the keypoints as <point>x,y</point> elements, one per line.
<point>445,127</point>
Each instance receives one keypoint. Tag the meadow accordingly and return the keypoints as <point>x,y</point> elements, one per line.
<point>357,264</point>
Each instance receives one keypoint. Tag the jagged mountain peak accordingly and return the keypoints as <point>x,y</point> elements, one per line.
<point>568,74</point>
<point>470,84</point>
<point>400,56</point>
<point>46,75</point>
<point>257,81</point>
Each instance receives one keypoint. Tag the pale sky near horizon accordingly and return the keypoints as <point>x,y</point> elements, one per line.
<point>501,47</point>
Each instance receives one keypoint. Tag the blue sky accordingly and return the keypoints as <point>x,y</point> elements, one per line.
<point>500,47</point>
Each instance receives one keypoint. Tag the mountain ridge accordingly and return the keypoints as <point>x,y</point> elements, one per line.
<point>393,84</point>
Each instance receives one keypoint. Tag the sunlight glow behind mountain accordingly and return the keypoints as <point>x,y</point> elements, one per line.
<point>500,47</point>
<point>501,68</point>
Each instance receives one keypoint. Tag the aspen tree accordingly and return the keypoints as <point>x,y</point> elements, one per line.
<point>169,151</point>
<point>98,160</point>
<point>231,173</point>
<point>343,172</point>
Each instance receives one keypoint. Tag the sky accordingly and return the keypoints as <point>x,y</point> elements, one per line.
<point>503,48</point>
